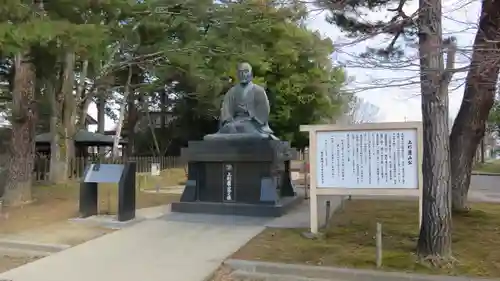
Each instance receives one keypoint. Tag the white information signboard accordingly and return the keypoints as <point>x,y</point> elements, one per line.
<point>371,159</point>
<point>367,159</point>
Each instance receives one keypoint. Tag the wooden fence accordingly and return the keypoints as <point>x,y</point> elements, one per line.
<point>77,166</point>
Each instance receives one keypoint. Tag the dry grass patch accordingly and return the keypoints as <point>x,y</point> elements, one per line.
<point>349,242</point>
<point>55,203</point>
<point>168,177</point>
<point>8,262</point>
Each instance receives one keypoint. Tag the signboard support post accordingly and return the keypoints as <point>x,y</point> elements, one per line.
<point>371,159</point>
<point>313,197</point>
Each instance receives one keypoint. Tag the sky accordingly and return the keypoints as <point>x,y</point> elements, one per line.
<point>396,103</point>
<point>460,19</point>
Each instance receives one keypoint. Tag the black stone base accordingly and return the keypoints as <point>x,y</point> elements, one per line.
<point>238,209</point>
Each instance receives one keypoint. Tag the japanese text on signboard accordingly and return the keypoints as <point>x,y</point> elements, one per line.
<point>367,159</point>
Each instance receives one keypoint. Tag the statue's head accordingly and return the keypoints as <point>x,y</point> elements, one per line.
<point>244,73</point>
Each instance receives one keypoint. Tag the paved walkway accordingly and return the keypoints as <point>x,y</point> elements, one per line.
<point>183,247</point>
<point>484,188</point>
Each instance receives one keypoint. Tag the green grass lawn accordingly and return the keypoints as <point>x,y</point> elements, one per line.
<point>488,167</point>
<point>350,242</point>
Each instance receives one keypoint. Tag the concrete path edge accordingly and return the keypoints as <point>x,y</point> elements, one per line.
<point>33,246</point>
<point>245,275</point>
<point>346,274</point>
<point>474,173</point>
<point>23,253</point>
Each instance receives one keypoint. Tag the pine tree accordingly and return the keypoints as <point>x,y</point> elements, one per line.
<point>423,29</point>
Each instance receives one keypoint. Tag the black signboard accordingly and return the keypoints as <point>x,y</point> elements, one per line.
<point>228,183</point>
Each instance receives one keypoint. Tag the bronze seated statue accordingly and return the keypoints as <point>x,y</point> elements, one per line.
<point>245,111</point>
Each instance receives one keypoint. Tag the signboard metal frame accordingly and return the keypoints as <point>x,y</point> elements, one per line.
<point>315,191</point>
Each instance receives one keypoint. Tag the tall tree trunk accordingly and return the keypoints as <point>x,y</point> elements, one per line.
<point>84,98</point>
<point>69,116</point>
<point>101,107</point>
<point>58,169</point>
<point>152,128</point>
<point>121,117</point>
<point>434,242</point>
<point>57,172</point>
<point>163,109</point>
<point>66,120</point>
<point>132,118</point>
<point>164,114</point>
<point>22,144</point>
<point>480,88</point>
<point>482,150</point>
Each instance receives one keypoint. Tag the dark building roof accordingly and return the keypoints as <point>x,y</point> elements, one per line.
<point>82,137</point>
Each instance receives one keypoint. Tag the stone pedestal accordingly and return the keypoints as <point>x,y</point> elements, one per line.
<point>238,177</point>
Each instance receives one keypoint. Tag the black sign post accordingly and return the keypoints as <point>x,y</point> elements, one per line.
<point>123,175</point>
<point>228,183</point>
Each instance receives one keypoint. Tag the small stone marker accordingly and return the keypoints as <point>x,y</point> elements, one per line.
<point>378,243</point>
<point>155,169</point>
